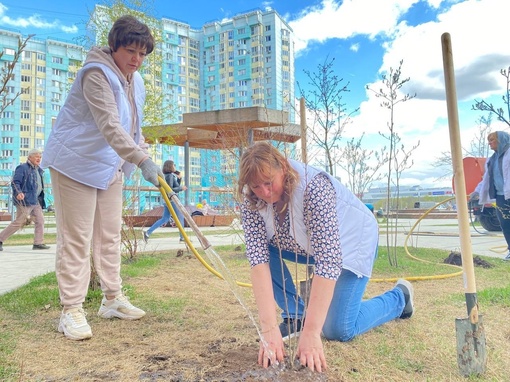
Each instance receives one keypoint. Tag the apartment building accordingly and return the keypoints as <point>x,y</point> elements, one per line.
<point>240,62</point>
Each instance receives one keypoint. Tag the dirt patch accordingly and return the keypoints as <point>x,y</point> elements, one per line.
<point>455,258</point>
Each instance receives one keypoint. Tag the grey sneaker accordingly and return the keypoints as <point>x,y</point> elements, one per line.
<point>145,237</point>
<point>290,328</point>
<point>40,246</point>
<point>506,258</point>
<point>119,307</point>
<point>408,290</point>
<point>74,324</point>
<point>1,246</point>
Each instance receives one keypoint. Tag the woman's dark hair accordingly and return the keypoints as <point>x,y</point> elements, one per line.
<point>168,167</point>
<point>129,30</point>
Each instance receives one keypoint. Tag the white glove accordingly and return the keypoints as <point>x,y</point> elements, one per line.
<point>151,171</point>
<point>474,196</point>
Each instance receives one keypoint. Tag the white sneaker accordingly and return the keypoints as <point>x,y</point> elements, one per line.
<point>74,324</point>
<point>507,257</point>
<point>119,307</point>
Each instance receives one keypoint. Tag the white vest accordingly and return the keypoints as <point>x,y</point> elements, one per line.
<point>358,228</point>
<point>76,147</point>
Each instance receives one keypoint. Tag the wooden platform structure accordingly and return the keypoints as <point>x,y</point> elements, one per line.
<point>226,129</point>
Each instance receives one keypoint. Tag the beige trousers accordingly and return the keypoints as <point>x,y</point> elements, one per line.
<point>22,213</point>
<point>88,223</point>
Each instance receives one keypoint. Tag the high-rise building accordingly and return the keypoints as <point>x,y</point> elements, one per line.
<point>244,61</point>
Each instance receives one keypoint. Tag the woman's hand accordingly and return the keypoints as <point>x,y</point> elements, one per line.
<point>20,196</point>
<point>310,351</point>
<point>271,348</point>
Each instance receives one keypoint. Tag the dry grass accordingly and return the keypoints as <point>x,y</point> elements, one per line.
<point>196,330</point>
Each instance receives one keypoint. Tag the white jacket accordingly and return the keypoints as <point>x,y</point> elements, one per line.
<point>358,227</point>
<point>77,147</point>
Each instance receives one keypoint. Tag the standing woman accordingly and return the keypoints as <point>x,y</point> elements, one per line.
<point>495,185</point>
<point>96,138</point>
<point>171,178</point>
<point>301,214</point>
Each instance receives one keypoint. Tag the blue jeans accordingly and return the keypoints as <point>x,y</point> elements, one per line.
<point>348,315</point>
<point>166,218</point>
<point>503,214</point>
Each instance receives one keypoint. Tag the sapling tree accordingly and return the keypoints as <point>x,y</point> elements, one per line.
<point>362,165</point>
<point>502,113</point>
<point>478,147</point>
<point>323,100</point>
<point>7,93</point>
<point>399,157</point>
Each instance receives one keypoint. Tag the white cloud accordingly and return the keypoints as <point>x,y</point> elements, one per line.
<point>352,17</point>
<point>476,28</point>
<point>34,21</point>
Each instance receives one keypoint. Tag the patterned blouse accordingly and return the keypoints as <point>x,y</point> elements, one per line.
<point>320,220</point>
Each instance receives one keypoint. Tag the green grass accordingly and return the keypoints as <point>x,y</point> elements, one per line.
<point>41,293</point>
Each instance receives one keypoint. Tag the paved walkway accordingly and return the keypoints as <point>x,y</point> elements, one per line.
<point>18,264</point>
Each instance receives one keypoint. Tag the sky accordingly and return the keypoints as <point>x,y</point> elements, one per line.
<point>366,39</point>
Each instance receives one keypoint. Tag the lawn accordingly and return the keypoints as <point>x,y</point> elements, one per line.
<point>197,329</point>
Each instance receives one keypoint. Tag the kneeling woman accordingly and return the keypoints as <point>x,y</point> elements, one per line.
<point>291,211</point>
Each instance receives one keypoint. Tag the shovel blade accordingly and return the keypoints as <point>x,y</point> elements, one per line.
<point>471,350</point>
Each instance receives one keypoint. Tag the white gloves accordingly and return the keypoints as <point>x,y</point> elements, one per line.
<point>151,171</point>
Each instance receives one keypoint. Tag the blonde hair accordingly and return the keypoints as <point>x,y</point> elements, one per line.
<point>493,135</point>
<point>258,164</point>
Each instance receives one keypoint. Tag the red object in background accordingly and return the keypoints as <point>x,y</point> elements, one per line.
<point>474,169</point>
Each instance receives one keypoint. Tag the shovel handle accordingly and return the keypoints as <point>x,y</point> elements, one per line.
<point>458,168</point>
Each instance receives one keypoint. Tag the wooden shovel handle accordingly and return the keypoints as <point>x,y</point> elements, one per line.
<point>458,168</point>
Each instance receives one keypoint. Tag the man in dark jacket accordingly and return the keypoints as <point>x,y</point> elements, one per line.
<point>28,195</point>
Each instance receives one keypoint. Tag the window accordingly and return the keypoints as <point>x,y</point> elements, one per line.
<point>242,61</point>
<point>26,78</point>
<point>41,56</point>
<point>24,128</point>
<point>24,143</point>
<point>25,115</point>
<point>56,72</point>
<point>242,93</point>
<point>7,127</point>
<point>26,67</point>
<point>241,31</point>
<point>268,28</point>
<point>25,105</point>
<point>8,114</point>
<point>242,72</point>
<point>57,60</point>
<point>268,38</point>
<point>7,140</point>
<point>9,51</point>
<point>7,153</point>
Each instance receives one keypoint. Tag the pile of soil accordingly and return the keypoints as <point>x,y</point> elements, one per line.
<point>455,258</point>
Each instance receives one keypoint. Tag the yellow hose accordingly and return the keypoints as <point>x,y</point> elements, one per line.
<point>165,189</point>
<point>432,277</point>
